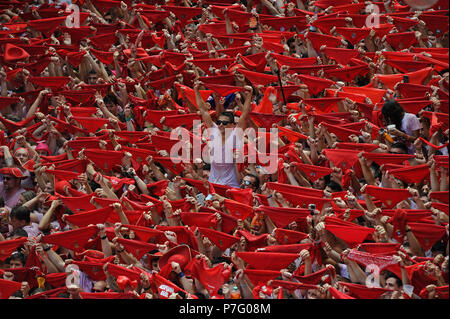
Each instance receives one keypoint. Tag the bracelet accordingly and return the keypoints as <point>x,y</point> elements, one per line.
<point>104,237</point>
<point>181,275</point>
<point>269,196</point>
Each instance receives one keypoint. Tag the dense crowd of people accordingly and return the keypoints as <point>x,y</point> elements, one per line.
<point>341,192</point>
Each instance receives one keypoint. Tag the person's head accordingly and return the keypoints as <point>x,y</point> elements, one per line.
<point>333,187</point>
<point>17,233</point>
<point>111,103</point>
<point>393,113</point>
<point>320,183</point>
<point>189,31</point>
<point>398,148</point>
<point>22,155</point>
<point>393,282</point>
<point>25,197</point>
<point>425,129</point>
<point>16,260</point>
<point>99,286</point>
<point>92,77</point>
<point>11,183</point>
<point>42,149</point>
<point>20,216</point>
<point>250,181</point>
<point>225,120</point>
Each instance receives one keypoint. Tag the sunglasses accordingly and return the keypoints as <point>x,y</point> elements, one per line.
<point>248,183</point>
<point>219,122</point>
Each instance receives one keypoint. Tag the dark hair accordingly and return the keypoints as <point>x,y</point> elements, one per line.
<point>20,232</point>
<point>335,187</point>
<point>400,145</point>
<point>228,114</point>
<point>393,113</point>
<point>21,213</point>
<point>28,195</point>
<point>110,98</point>
<point>17,293</point>
<point>17,255</point>
<point>392,275</point>
<point>257,183</point>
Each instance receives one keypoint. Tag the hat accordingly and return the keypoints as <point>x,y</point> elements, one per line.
<point>14,53</point>
<point>12,171</point>
<point>180,254</point>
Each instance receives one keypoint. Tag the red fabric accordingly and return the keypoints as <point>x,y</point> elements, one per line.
<point>46,26</point>
<point>237,209</point>
<point>257,78</point>
<point>211,278</point>
<point>7,247</point>
<point>244,196</point>
<point>205,220</point>
<point>257,276</point>
<point>104,159</point>
<point>220,239</point>
<point>364,292</point>
<point>53,82</point>
<point>353,35</point>
<point>8,287</point>
<point>283,216</point>
<point>387,158</point>
<point>96,216</point>
<point>351,235</point>
<point>265,120</point>
<point>286,237</point>
<point>266,260</point>
<point>137,248</point>
<point>441,196</point>
<point>341,55</point>
<point>427,234</point>
<point>389,196</point>
<point>400,41</point>
<point>342,158</point>
<point>412,174</point>
<point>315,84</point>
<point>71,239</point>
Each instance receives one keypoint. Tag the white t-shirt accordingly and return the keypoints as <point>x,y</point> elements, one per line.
<point>410,123</point>
<point>223,170</point>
